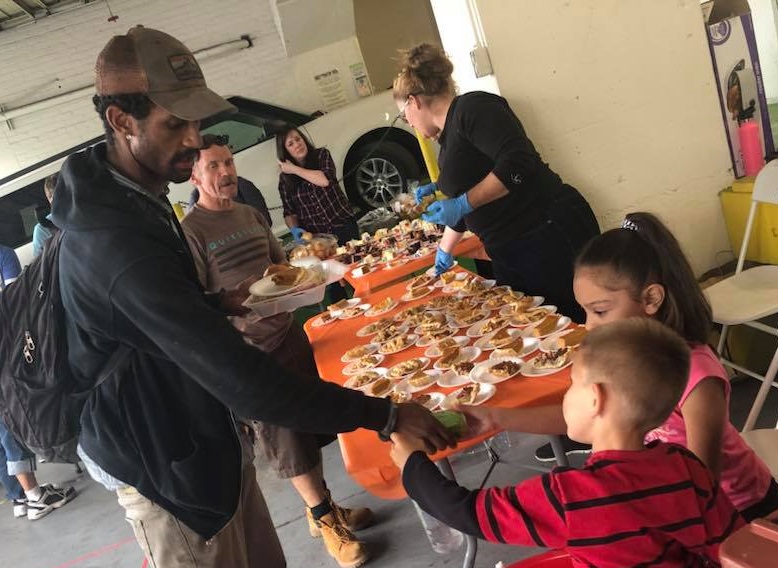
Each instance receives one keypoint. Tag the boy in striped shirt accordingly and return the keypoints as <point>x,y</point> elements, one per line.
<point>630,505</point>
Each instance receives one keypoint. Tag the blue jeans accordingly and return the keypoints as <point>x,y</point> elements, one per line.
<point>14,459</point>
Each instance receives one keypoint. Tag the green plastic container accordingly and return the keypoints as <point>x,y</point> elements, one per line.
<point>453,421</point>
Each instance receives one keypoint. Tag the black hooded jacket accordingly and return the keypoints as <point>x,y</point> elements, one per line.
<point>162,422</point>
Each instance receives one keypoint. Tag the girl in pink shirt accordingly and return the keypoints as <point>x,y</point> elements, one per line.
<point>639,270</point>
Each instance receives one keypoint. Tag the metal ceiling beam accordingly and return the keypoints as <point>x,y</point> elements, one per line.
<point>23,8</point>
<point>43,6</point>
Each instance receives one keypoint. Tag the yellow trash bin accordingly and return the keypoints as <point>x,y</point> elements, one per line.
<point>735,204</point>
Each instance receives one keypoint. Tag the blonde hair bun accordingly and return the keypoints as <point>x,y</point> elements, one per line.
<point>425,69</point>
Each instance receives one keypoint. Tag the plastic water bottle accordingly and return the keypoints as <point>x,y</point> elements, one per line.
<point>443,539</point>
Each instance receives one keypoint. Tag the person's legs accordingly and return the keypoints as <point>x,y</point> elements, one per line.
<point>13,490</point>
<point>249,540</point>
<point>20,462</point>
<point>297,456</point>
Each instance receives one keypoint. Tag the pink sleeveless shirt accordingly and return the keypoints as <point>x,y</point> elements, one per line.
<point>744,477</point>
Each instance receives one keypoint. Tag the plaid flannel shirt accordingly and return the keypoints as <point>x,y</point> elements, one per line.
<point>318,209</point>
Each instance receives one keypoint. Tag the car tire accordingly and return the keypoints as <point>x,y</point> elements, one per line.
<point>382,173</point>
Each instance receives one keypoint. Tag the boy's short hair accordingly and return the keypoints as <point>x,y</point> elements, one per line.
<point>49,184</point>
<point>643,362</point>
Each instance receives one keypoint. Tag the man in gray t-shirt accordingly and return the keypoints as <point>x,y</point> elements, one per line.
<point>231,242</point>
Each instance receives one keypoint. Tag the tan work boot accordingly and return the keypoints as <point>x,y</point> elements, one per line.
<point>341,543</point>
<point>355,519</point>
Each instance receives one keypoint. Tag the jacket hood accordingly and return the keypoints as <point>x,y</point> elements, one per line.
<point>88,197</point>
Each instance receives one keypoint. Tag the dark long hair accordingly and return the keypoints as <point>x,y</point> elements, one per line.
<point>645,252</point>
<point>284,155</point>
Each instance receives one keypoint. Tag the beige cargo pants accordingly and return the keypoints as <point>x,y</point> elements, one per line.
<point>249,540</point>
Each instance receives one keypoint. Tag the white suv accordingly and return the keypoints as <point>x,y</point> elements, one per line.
<point>360,130</point>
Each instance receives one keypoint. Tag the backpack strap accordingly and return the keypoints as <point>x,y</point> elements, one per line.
<point>117,358</point>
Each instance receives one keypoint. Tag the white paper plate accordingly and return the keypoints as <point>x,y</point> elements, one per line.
<point>396,263</point>
<point>406,386</point>
<point>352,369</point>
<point>431,282</point>
<point>537,301</point>
<point>350,382</point>
<point>487,391</point>
<point>468,354</point>
<point>357,272</point>
<point>481,374</point>
<point>549,343</point>
<point>400,329</point>
<point>486,283</point>
<point>507,312</point>
<point>456,289</point>
<point>407,296</point>
<point>561,324</point>
<point>353,311</point>
<point>433,350</point>
<point>373,313</point>
<point>530,344</point>
<point>424,364</point>
<point>370,348</point>
<point>425,341</point>
<point>485,341</point>
<point>380,394</point>
<point>318,322</point>
<point>475,329</point>
<point>449,379</point>
<point>348,304</point>
<point>439,284</point>
<point>410,343</point>
<point>366,331</point>
<point>266,288</point>
<point>530,371</point>
<point>435,398</point>
<point>485,315</point>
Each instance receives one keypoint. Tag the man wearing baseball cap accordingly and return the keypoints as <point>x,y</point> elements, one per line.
<point>160,429</point>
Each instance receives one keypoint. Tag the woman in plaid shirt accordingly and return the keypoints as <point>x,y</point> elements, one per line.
<point>308,184</point>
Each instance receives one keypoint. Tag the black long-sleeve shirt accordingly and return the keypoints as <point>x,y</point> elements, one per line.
<point>482,135</point>
<point>162,423</point>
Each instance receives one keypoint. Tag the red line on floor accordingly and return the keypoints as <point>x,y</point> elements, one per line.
<point>96,553</point>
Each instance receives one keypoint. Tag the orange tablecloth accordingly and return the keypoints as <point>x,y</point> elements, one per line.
<point>373,281</point>
<point>366,458</point>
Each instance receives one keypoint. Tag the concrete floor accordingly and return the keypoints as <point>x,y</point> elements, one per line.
<point>91,532</point>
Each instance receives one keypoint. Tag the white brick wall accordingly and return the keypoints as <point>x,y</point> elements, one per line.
<point>58,53</point>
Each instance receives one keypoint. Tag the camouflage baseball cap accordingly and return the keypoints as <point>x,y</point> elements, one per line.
<point>154,63</point>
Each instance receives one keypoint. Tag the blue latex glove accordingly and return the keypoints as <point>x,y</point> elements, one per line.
<point>424,190</point>
<point>449,211</point>
<point>297,233</point>
<point>443,261</point>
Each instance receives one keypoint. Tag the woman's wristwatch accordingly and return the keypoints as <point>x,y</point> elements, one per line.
<point>391,424</point>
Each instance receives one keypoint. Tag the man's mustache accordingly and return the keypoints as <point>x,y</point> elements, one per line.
<point>228,181</point>
<point>185,156</point>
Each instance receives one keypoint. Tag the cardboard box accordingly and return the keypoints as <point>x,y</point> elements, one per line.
<point>738,74</point>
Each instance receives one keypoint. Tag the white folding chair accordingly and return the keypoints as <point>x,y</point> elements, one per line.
<point>764,442</point>
<point>749,295</point>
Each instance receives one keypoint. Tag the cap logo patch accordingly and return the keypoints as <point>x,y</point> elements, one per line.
<point>185,67</point>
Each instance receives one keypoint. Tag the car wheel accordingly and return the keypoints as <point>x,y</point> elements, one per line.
<point>382,175</point>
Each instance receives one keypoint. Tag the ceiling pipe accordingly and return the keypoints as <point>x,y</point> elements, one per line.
<point>61,98</point>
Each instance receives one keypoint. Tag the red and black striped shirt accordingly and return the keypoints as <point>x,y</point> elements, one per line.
<point>656,507</point>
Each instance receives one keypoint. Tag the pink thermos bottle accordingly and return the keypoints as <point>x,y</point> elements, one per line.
<point>750,143</point>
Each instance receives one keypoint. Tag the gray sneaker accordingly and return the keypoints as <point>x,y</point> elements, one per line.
<point>52,498</point>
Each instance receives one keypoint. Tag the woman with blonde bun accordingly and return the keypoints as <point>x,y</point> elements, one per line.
<point>531,223</point>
